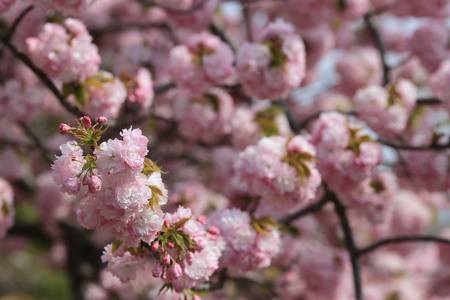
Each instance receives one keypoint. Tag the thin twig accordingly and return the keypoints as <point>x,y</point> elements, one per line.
<point>402,239</point>
<point>248,22</point>
<point>379,44</point>
<point>429,101</point>
<point>163,88</point>
<point>349,241</point>
<point>413,148</point>
<point>15,24</point>
<point>220,32</point>
<point>46,153</point>
<point>42,76</point>
<point>173,10</point>
<point>293,122</point>
<point>315,207</point>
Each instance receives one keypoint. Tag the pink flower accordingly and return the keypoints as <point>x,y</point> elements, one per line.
<point>157,271</point>
<point>5,5</point>
<point>204,118</point>
<point>63,56</point>
<point>245,249</point>
<point>95,184</point>
<point>275,66</point>
<point>64,129</point>
<point>106,95</point>
<point>204,61</point>
<point>439,83</point>
<point>358,68</point>
<point>67,167</point>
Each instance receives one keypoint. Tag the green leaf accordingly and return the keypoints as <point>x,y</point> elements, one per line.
<point>5,209</point>
<point>81,95</point>
<point>165,288</point>
<point>266,120</point>
<point>377,186</point>
<point>277,57</point>
<point>181,223</point>
<point>341,5</point>
<point>115,245</point>
<point>213,100</point>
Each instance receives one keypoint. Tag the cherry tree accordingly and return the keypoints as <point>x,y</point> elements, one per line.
<point>251,149</point>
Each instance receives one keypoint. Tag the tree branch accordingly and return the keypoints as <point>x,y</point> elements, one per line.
<point>217,30</point>
<point>42,76</point>
<point>379,44</point>
<point>413,148</point>
<point>173,10</point>
<point>349,241</point>
<point>315,207</point>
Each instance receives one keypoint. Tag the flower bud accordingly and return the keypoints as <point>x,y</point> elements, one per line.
<point>157,270</point>
<point>166,260</point>
<point>190,258</point>
<point>154,247</point>
<point>170,245</point>
<point>202,219</point>
<point>200,243</point>
<point>86,121</point>
<point>64,129</point>
<point>101,120</point>
<point>214,230</point>
<point>95,184</point>
<point>166,224</point>
<point>174,272</point>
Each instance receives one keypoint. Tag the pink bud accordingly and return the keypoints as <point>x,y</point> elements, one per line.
<point>95,184</point>
<point>73,184</point>
<point>200,243</point>
<point>154,247</point>
<point>202,219</point>
<point>64,129</point>
<point>85,180</point>
<point>157,270</point>
<point>86,121</point>
<point>162,250</point>
<point>166,260</point>
<point>190,258</point>
<point>101,120</point>
<point>174,272</point>
<point>214,230</point>
<point>166,224</point>
<point>170,245</point>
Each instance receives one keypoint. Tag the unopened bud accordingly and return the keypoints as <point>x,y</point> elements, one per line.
<point>202,219</point>
<point>166,260</point>
<point>154,247</point>
<point>190,258</point>
<point>64,129</point>
<point>101,120</point>
<point>95,184</point>
<point>214,230</point>
<point>86,121</point>
<point>174,272</point>
<point>157,270</point>
<point>170,245</point>
<point>166,224</point>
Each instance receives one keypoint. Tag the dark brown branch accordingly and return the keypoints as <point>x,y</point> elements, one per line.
<point>211,286</point>
<point>402,239</point>
<point>173,10</point>
<point>429,101</point>
<point>248,21</point>
<point>293,123</point>
<point>46,153</point>
<point>350,243</point>
<point>42,76</point>
<point>379,44</point>
<point>217,30</point>
<point>15,24</point>
<point>315,207</point>
<point>163,88</point>
<point>413,148</point>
